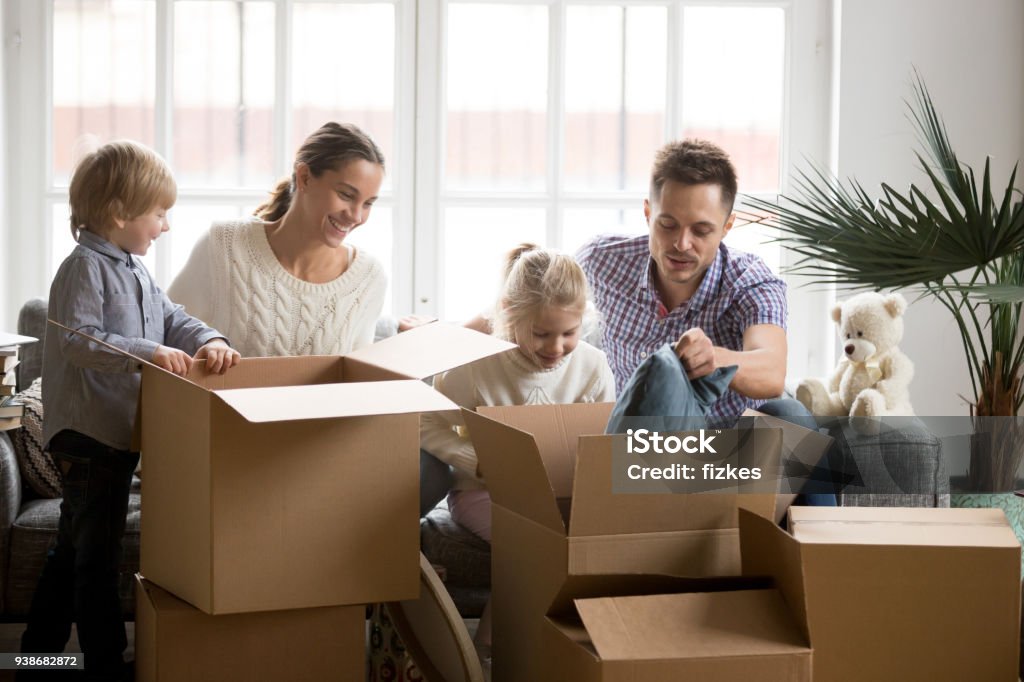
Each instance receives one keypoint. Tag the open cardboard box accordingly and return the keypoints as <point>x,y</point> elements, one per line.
<point>554,516</point>
<point>896,593</point>
<point>292,482</point>
<point>175,642</point>
<point>655,628</point>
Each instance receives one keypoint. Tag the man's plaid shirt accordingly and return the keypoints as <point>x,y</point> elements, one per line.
<point>737,291</point>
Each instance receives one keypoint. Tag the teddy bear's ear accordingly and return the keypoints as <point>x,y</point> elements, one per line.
<point>837,312</point>
<point>895,305</point>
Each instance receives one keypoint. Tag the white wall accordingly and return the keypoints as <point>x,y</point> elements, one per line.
<point>972,58</point>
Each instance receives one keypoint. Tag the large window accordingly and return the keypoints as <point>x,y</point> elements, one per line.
<point>501,122</point>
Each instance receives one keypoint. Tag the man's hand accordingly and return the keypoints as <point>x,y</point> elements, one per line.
<point>172,359</point>
<point>696,351</point>
<point>219,356</point>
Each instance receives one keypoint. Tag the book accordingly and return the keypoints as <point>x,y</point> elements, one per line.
<point>8,340</point>
<point>6,389</point>
<point>8,423</point>
<point>11,406</point>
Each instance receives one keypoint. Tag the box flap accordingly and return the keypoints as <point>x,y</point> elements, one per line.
<point>430,349</point>
<point>767,550</point>
<point>273,371</point>
<point>933,527</point>
<point>638,584</point>
<point>556,430</point>
<point>112,347</point>
<point>327,401</point>
<point>596,510</point>
<point>686,626</point>
<point>511,463</point>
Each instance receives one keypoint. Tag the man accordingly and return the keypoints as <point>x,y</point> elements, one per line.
<point>680,282</point>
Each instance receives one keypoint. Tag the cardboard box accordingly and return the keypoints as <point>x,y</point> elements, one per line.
<point>897,594</point>
<point>175,642</point>
<point>554,516</point>
<point>293,482</point>
<point>700,630</point>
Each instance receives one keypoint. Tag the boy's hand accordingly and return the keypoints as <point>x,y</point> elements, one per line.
<point>172,359</point>
<point>219,356</point>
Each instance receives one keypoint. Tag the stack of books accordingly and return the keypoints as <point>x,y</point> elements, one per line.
<point>11,409</point>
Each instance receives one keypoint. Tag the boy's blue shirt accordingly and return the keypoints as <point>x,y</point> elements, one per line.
<point>108,294</point>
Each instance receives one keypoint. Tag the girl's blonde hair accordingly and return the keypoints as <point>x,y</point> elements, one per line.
<point>120,180</point>
<point>535,278</point>
<point>329,148</point>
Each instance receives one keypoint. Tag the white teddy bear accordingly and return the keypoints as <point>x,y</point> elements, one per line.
<point>873,378</point>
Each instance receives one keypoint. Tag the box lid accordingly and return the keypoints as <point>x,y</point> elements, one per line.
<point>924,526</point>
<point>327,401</point>
<point>430,349</point>
<point>694,625</point>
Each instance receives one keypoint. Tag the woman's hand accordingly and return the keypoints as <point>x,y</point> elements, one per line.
<point>219,356</point>
<point>172,359</point>
<point>411,321</point>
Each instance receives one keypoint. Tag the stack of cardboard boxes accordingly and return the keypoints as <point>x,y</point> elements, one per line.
<point>591,585</point>
<point>280,498</point>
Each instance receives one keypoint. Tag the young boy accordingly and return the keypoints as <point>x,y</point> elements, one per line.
<point>119,198</point>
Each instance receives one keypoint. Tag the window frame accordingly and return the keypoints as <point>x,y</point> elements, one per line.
<point>418,199</point>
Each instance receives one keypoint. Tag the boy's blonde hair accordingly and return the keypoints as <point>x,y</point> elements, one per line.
<point>535,278</point>
<point>120,180</point>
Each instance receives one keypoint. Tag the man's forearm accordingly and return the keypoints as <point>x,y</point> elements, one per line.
<point>760,375</point>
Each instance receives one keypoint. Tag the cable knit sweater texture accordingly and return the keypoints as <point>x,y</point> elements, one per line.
<point>509,379</point>
<point>234,282</point>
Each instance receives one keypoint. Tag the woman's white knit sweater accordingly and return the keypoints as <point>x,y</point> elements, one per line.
<point>509,379</point>
<point>234,283</point>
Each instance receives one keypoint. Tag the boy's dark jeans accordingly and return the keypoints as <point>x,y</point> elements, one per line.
<point>80,580</point>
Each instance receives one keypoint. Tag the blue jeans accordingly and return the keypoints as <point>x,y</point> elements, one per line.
<point>815,492</point>
<point>79,581</point>
<point>660,393</point>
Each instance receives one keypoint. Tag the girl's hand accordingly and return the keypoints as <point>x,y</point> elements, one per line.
<point>219,356</point>
<point>172,359</point>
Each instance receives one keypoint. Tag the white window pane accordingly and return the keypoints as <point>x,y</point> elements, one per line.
<point>189,222</point>
<point>376,236</point>
<point>223,93</point>
<point>475,243</point>
<point>103,77</point>
<point>733,80</point>
<point>343,69</point>
<point>755,238</point>
<point>579,225</point>
<point>61,241</point>
<point>614,95</point>
<point>497,79</point>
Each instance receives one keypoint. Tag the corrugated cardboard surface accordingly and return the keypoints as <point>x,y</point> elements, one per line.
<point>903,608</point>
<point>175,642</point>
<point>532,551</point>
<point>282,485</point>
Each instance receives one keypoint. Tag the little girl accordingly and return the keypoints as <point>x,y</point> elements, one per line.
<point>541,309</point>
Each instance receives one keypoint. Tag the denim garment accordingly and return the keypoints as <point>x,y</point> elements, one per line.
<point>660,391</point>
<point>661,397</point>
<point>80,579</point>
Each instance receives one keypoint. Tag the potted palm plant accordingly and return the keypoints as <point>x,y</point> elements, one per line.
<point>952,239</point>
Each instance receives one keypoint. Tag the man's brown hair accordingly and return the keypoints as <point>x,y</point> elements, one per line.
<point>694,162</point>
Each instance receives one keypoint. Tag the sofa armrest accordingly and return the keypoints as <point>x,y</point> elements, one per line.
<point>902,466</point>
<point>31,322</point>
<point>10,504</point>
